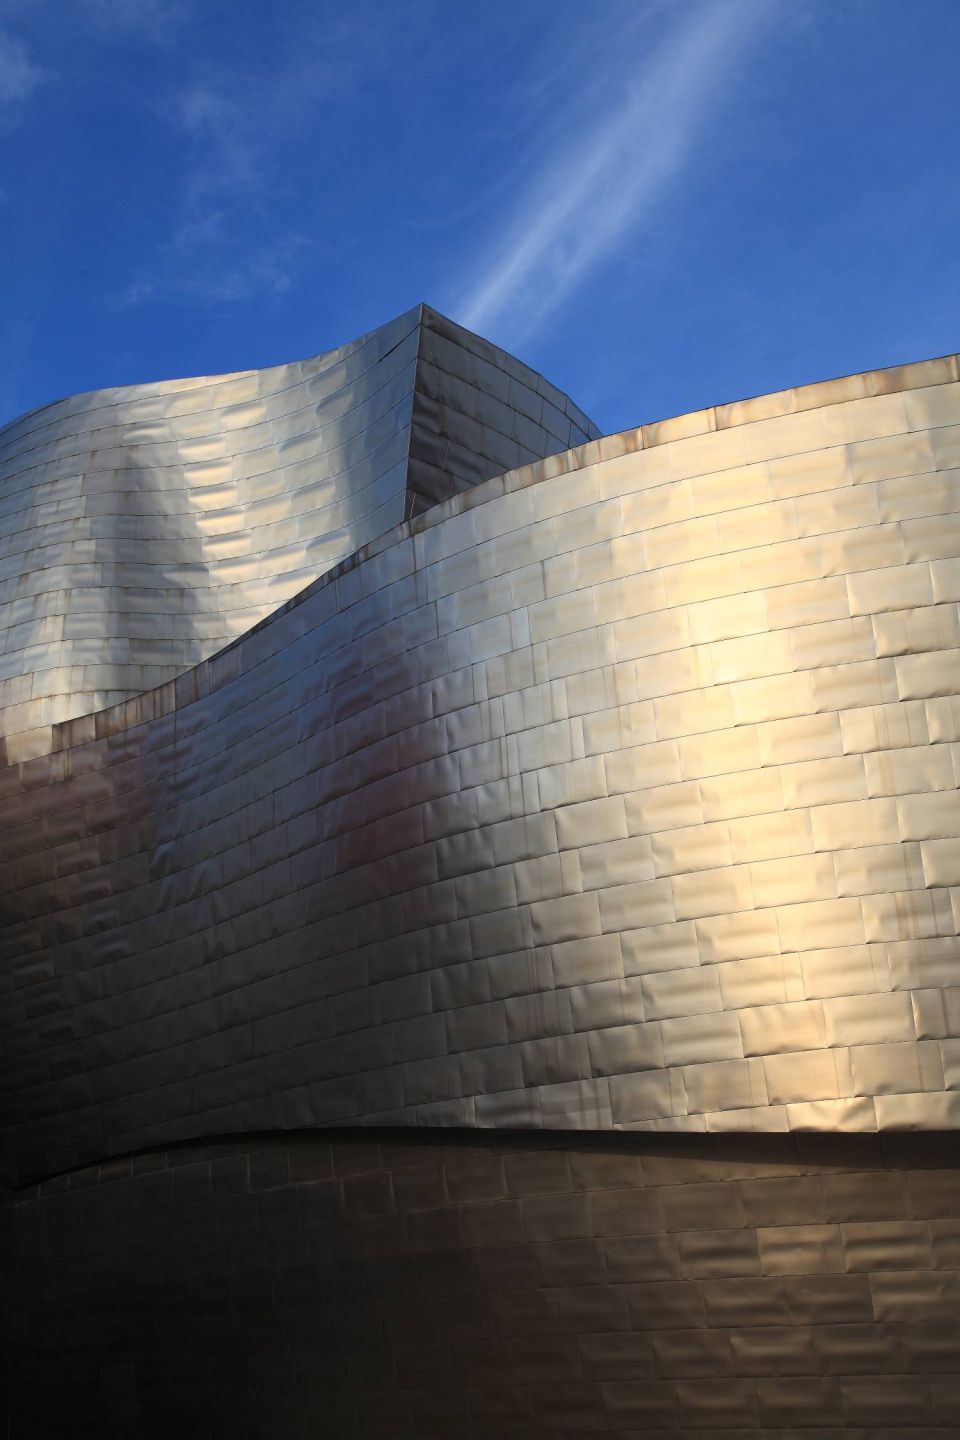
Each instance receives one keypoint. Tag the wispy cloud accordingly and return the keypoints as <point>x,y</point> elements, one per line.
<point>227,142</point>
<point>628,144</point>
<point>230,237</point>
<point>219,249</point>
<point>156,21</point>
<point>19,73</point>
<point>224,244</point>
<point>203,262</point>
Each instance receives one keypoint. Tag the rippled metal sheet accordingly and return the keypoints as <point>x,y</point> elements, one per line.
<point>145,527</point>
<point>420,1287</point>
<point>619,791</point>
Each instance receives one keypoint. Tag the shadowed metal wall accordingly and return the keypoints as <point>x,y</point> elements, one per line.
<point>143,528</point>
<point>618,791</point>
<point>420,1288</point>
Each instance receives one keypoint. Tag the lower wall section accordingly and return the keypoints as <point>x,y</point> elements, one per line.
<point>440,1285</point>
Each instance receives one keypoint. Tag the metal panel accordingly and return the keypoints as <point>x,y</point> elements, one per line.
<point>616,790</point>
<point>197,507</point>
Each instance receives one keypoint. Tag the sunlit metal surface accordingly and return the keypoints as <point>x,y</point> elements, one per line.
<point>143,528</point>
<point>617,791</point>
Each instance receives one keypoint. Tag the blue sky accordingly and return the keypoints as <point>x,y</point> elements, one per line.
<point>660,205</point>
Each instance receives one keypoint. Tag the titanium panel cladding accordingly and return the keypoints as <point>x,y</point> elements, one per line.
<point>618,791</point>
<point>143,528</point>
<point>424,1285</point>
<point>385,751</point>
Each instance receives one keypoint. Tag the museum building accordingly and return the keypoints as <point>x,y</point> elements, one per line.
<point>480,907</point>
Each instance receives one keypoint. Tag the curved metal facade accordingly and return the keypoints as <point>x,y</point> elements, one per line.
<point>143,528</point>
<point>490,1287</point>
<point>617,791</point>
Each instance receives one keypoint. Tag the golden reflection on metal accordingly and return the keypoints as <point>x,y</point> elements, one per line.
<point>616,791</point>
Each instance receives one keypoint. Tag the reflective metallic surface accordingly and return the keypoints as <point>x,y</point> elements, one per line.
<point>143,528</point>
<point>437,1285</point>
<point>617,791</point>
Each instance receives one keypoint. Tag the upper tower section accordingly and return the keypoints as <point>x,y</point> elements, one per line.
<point>144,527</point>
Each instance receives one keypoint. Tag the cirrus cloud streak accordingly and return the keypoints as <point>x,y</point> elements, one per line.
<point>610,169</point>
